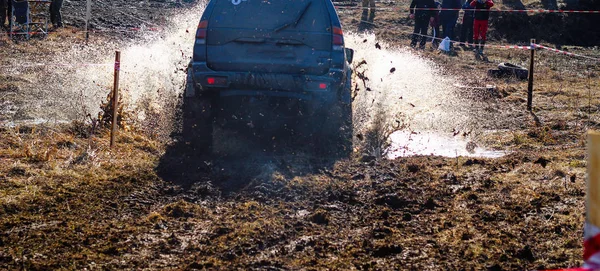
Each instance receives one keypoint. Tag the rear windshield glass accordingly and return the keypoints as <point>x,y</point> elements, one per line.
<point>271,14</point>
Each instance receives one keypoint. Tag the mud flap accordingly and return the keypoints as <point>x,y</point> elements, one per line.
<point>346,95</point>
<point>198,117</point>
<point>347,128</point>
<point>190,89</point>
<point>334,136</point>
<point>198,121</point>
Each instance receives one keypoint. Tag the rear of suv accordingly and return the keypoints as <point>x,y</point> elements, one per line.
<point>274,59</point>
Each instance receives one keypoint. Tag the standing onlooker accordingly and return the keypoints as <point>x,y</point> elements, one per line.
<point>480,24</point>
<point>368,15</point>
<point>422,17</point>
<point>435,27</point>
<point>368,3</point>
<point>55,16</point>
<point>369,7</point>
<point>466,31</point>
<point>5,12</point>
<point>449,16</point>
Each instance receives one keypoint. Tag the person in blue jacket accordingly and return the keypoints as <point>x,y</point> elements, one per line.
<point>449,16</point>
<point>466,31</point>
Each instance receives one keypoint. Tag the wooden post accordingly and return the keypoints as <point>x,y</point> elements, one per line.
<point>115,97</point>
<point>88,13</point>
<point>591,254</point>
<point>530,86</point>
<point>593,194</point>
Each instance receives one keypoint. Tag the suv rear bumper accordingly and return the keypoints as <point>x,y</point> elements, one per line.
<point>296,86</point>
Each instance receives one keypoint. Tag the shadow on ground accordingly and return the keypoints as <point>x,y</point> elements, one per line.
<point>242,163</point>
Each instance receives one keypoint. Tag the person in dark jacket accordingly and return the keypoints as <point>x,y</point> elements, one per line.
<point>449,17</point>
<point>466,31</point>
<point>55,15</point>
<point>435,27</point>
<point>480,24</point>
<point>5,12</point>
<point>422,19</point>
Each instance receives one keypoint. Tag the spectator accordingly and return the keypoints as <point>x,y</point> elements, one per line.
<point>422,17</point>
<point>55,16</point>
<point>369,7</point>
<point>368,3</point>
<point>449,17</point>
<point>480,24</point>
<point>5,12</point>
<point>466,31</point>
<point>435,26</point>
<point>368,15</point>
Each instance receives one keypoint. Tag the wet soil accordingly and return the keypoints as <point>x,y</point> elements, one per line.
<point>66,205</point>
<point>119,14</point>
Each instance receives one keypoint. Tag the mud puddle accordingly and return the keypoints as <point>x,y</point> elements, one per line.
<point>405,143</point>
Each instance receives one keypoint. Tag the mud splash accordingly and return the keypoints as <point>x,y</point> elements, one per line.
<point>413,103</point>
<point>73,83</point>
<point>408,92</point>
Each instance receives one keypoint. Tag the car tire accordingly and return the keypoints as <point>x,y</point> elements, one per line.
<point>198,119</point>
<point>514,70</point>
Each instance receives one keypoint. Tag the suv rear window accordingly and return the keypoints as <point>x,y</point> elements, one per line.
<point>271,15</point>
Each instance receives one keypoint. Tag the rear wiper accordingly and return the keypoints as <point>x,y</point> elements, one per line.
<point>295,21</point>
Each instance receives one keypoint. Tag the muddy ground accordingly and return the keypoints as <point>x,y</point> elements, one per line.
<point>69,206</point>
<point>70,202</point>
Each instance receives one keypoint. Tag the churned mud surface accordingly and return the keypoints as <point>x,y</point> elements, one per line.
<point>68,201</point>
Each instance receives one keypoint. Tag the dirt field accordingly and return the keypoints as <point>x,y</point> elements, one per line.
<point>69,202</point>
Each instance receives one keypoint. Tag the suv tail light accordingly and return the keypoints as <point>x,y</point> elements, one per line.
<point>216,81</point>
<point>201,32</point>
<point>338,39</point>
<point>316,86</point>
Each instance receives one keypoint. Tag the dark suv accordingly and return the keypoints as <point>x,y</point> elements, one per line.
<point>268,64</point>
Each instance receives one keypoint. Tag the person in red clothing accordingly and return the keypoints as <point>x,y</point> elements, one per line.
<point>480,25</point>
